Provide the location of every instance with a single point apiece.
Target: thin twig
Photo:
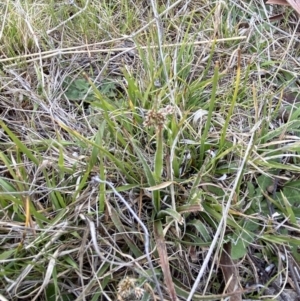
(76, 50)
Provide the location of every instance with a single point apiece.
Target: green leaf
(108, 88)
(6, 187)
(78, 89)
(289, 208)
(288, 198)
(201, 229)
(4, 255)
(242, 238)
(238, 249)
(170, 212)
(264, 182)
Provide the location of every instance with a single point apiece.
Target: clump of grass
(146, 158)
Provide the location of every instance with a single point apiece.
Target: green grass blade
(19, 144)
(210, 111)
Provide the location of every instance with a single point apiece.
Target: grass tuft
(149, 151)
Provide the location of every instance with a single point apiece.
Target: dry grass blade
(30, 266)
(164, 261)
(278, 2)
(295, 4)
(48, 274)
(230, 273)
